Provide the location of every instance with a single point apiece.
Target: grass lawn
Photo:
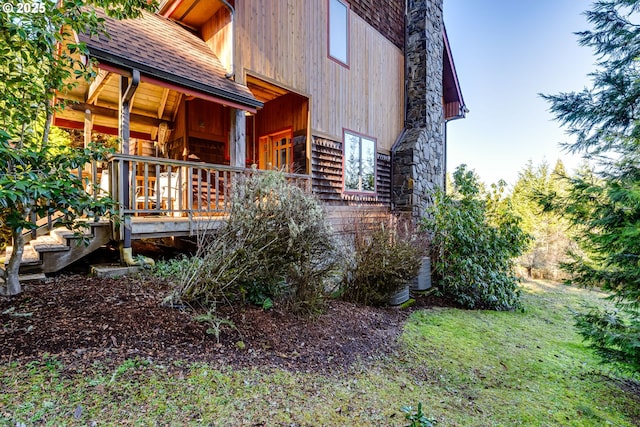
(467, 368)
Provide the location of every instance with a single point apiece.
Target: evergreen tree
(551, 240)
(603, 202)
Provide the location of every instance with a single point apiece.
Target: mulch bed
(81, 320)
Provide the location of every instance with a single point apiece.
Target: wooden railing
(160, 187)
(157, 186)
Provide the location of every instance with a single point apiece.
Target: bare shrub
(275, 247)
(385, 258)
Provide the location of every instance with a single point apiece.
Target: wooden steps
(52, 252)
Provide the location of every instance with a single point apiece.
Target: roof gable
(162, 49)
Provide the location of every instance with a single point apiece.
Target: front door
(276, 151)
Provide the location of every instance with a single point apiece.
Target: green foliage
(550, 232)
(276, 247)
(476, 238)
(171, 268)
(215, 324)
(603, 200)
(39, 57)
(613, 335)
(384, 261)
(42, 178)
(417, 418)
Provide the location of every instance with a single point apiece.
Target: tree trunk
(12, 281)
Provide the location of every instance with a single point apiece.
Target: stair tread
(65, 234)
(29, 255)
(48, 243)
(49, 246)
(58, 244)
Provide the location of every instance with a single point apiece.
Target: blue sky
(506, 52)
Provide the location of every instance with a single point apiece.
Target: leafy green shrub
(173, 267)
(475, 240)
(383, 262)
(275, 247)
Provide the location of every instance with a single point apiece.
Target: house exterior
(351, 97)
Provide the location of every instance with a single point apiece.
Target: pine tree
(603, 201)
(551, 239)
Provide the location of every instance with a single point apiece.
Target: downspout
(126, 95)
(231, 74)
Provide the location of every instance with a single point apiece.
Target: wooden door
(276, 151)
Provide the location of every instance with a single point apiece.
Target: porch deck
(153, 197)
(148, 227)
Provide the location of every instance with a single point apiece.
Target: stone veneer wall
(418, 158)
(386, 16)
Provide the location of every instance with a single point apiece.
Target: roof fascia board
(123, 66)
(453, 67)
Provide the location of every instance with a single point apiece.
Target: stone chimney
(418, 158)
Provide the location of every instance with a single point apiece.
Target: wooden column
(88, 127)
(238, 138)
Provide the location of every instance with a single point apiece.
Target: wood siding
(285, 41)
(326, 173)
(216, 32)
(286, 111)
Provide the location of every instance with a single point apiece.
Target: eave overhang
(454, 105)
(191, 87)
(164, 51)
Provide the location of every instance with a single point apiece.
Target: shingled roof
(162, 49)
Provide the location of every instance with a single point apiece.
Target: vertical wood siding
(283, 112)
(286, 41)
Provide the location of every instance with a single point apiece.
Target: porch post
(88, 127)
(127, 89)
(238, 153)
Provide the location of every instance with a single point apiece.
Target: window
(276, 151)
(339, 31)
(359, 163)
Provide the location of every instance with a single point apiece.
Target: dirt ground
(81, 320)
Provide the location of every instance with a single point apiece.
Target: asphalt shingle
(165, 50)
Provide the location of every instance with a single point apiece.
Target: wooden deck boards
(166, 226)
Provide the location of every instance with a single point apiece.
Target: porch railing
(157, 186)
(160, 187)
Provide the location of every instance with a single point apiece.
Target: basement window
(359, 163)
(339, 31)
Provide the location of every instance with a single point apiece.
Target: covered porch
(186, 129)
